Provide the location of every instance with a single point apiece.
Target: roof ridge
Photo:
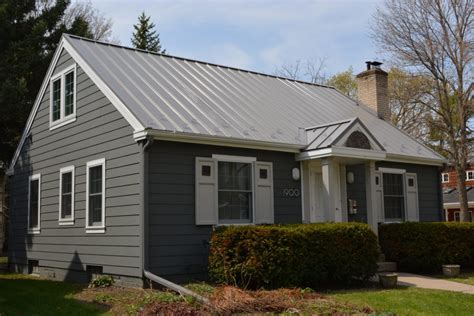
(197, 61)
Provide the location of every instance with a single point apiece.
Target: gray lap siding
(177, 248)
(98, 132)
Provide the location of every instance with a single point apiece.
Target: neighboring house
(130, 158)
(451, 194)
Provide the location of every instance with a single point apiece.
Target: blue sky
(255, 35)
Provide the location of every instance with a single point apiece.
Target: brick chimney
(372, 87)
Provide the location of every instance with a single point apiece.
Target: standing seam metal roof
(173, 94)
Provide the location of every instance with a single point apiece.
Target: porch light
(295, 174)
(350, 177)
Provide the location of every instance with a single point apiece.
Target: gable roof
(184, 97)
(328, 135)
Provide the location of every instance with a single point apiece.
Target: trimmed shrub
(303, 255)
(424, 247)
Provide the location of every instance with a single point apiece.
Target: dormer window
(63, 98)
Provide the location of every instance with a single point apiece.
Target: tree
(145, 37)
(29, 34)
(311, 70)
(99, 27)
(344, 82)
(435, 38)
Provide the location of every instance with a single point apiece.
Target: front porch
(345, 178)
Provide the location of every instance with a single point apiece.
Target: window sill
(62, 122)
(34, 231)
(95, 230)
(66, 222)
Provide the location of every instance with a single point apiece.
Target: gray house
(130, 158)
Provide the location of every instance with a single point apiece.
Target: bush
(424, 247)
(304, 255)
(102, 281)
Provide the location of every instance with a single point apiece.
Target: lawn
(409, 301)
(3, 260)
(25, 295)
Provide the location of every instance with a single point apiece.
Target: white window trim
(63, 120)
(35, 230)
(405, 211)
(66, 221)
(95, 229)
(467, 175)
(241, 159)
(442, 177)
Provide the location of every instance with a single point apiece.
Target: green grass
(3, 260)
(409, 301)
(25, 295)
(466, 277)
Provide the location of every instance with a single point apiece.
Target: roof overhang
(216, 140)
(345, 152)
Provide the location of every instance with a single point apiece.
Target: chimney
(372, 87)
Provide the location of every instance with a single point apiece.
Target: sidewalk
(421, 281)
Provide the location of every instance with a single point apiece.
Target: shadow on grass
(25, 295)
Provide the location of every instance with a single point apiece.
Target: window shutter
(379, 196)
(411, 186)
(263, 193)
(206, 191)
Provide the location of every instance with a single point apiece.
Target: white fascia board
(416, 160)
(342, 152)
(216, 141)
(119, 105)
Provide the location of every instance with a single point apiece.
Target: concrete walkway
(425, 282)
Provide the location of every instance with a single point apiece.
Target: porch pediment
(350, 133)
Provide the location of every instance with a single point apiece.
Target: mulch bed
(230, 300)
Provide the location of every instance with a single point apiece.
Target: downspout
(144, 189)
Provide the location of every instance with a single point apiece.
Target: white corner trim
(392, 170)
(127, 114)
(67, 221)
(234, 158)
(34, 230)
(101, 228)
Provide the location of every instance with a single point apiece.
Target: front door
(316, 197)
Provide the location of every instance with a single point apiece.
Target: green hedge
(304, 255)
(424, 247)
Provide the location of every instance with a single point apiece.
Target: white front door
(316, 197)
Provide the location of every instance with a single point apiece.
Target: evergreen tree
(29, 33)
(145, 37)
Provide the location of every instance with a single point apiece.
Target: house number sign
(291, 192)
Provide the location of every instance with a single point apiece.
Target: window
(66, 196)
(470, 175)
(63, 98)
(457, 216)
(393, 196)
(34, 204)
(445, 177)
(235, 193)
(95, 205)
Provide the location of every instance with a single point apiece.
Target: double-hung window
(95, 204)
(235, 192)
(445, 177)
(469, 175)
(66, 196)
(34, 204)
(63, 98)
(393, 196)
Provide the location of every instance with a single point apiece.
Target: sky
(257, 35)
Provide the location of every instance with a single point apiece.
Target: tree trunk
(461, 184)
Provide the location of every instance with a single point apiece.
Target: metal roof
(179, 95)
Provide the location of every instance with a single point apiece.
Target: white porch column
(371, 199)
(331, 190)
